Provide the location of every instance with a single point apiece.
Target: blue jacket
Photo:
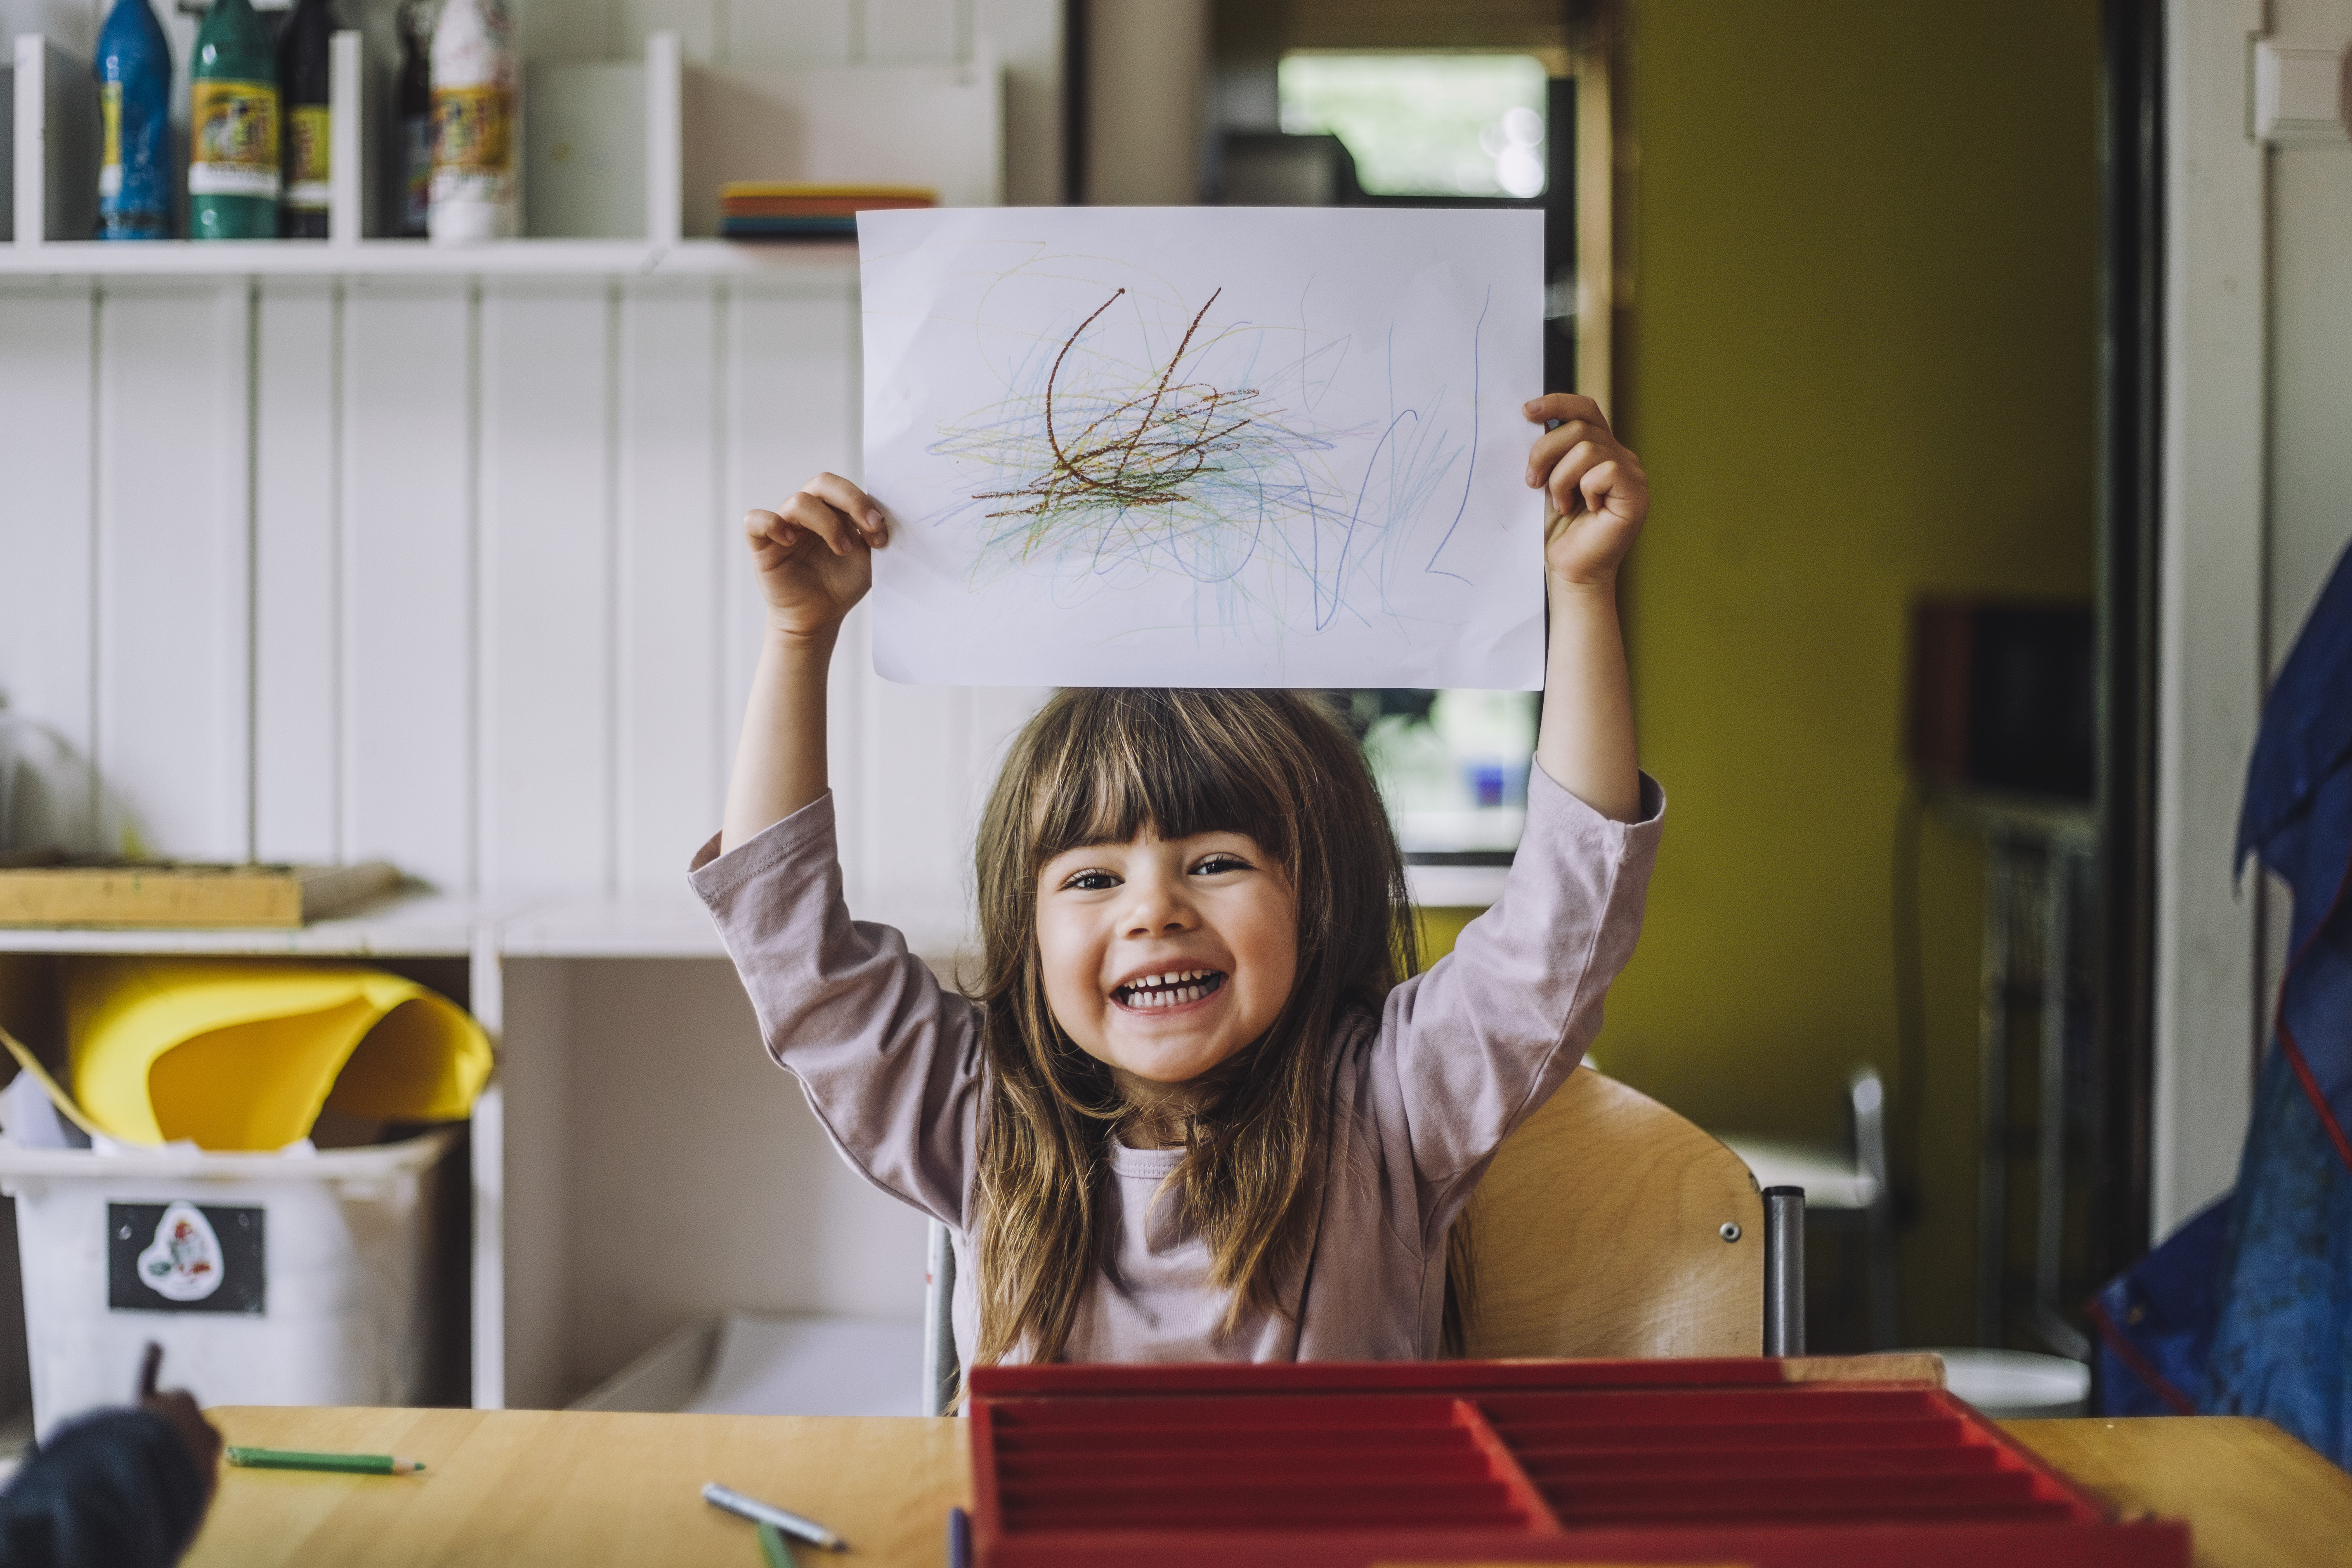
(2282, 1345)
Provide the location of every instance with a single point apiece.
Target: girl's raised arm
(1476, 1042)
(814, 562)
(1595, 497)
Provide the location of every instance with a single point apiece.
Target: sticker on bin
(184, 1258)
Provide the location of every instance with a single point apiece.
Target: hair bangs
(1125, 762)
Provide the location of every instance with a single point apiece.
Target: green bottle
(233, 127)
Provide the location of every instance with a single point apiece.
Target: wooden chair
(1607, 1225)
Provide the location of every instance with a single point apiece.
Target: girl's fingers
(851, 503)
(1599, 482)
(1564, 406)
(1617, 492)
(775, 531)
(805, 510)
(761, 526)
(1553, 445)
(1565, 485)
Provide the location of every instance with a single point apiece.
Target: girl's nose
(1159, 907)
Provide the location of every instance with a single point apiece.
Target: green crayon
(352, 1464)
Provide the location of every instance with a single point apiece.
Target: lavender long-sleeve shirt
(1460, 1055)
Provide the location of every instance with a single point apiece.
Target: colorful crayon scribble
(1102, 463)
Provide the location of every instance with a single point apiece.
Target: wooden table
(525, 1488)
(2252, 1495)
(541, 1489)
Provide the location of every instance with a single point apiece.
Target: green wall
(1863, 251)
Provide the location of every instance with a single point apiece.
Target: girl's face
(1164, 956)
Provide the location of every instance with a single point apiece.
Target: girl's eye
(1217, 865)
(1090, 882)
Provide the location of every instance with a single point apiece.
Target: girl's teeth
(1172, 990)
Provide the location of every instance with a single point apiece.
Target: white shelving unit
(376, 549)
(519, 956)
(697, 127)
(831, 259)
(411, 924)
(632, 1108)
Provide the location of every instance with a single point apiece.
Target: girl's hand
(1595, 493)
(814, 556)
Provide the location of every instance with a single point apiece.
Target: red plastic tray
(1656, 1461)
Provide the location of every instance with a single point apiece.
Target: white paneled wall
(445, 572)
(670, 708)
(297, 663)
(171, 610)
(47, 594)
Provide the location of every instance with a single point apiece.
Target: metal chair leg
(941, 1370)
(1784, 1272)
(1867, 1102)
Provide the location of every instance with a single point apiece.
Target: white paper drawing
(1204, 446)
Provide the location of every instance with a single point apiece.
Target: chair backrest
(1608, 1226)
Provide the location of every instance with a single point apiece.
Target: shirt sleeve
(1475, 1044)
(117, 1490)
(889, 1059)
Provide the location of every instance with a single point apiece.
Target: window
(1425, 125)
(1453, 767)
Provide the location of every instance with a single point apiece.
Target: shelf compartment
(829, 260)
(623, 161)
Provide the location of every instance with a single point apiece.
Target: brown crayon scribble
(1139, 451)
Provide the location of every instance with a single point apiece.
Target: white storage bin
(268, 1279)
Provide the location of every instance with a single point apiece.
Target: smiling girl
(1197, 1108)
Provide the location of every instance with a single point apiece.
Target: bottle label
(307, 156)
(233, 139)
(473, 133)
(418, 132)
(109, 157)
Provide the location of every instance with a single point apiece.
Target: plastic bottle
(134, 96)
(302, 78)
(477, 124)
(233, 127)
(412, 174)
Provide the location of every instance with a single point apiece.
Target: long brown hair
(1097, 766)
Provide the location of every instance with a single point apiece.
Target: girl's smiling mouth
(1169, 989)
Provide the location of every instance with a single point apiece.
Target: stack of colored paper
(750, 209)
